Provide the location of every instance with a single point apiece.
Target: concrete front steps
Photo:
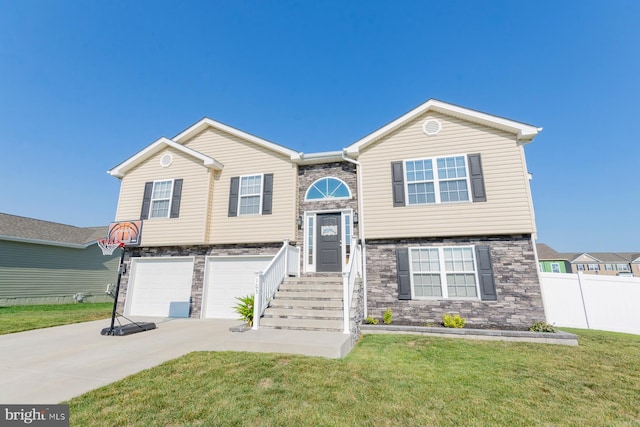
(310, 303)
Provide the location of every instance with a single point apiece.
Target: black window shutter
(485, 274)
(477, 178)
(267, 194)
(234, 193)
(404, 278)
(175, 199)
(397, 178)
(146, 200)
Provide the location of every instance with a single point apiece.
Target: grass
(387, 380)
(26, 317)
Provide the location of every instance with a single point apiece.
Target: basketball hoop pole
(115, 301)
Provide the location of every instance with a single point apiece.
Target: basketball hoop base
(131, 328)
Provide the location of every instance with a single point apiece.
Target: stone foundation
(199, 253)
(519, 300)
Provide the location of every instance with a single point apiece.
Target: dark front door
(329, 240)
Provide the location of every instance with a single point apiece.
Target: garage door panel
(228, 278)
(161, 287)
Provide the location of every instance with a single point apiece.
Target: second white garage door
(160, 287)
(228, 278)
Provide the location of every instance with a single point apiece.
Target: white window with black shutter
(251, 195)
(448, 179)
(161, 199)
(449, 272)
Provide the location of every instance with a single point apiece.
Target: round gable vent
(431, 127)
(166, 160)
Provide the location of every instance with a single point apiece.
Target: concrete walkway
(47, 366)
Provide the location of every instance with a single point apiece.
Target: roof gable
(585, 257)
(524, 132)
(206, 122)
(22, 229)
(120, 170)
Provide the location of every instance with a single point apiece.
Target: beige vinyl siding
(29, 270)
(239, 158)
(508, 208)
(190, 226)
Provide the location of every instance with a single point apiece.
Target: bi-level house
(430, 214)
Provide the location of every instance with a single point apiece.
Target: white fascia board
(47, 242)
(523, 132)
(315, 158)
(577, 261)
(120, 170)
(207, 122)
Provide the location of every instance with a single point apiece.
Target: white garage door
(160, 287)
(228, 278)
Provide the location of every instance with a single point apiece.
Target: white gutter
(48, 242)
(360, 225)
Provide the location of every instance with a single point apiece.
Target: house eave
(206, 122)
(317, 158)
(121, 170)
(47, 242)
(523, 132)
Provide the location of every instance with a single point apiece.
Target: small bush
(245, 308)
(387, 318)
(450, 321)
(542, 327)
(371, 321)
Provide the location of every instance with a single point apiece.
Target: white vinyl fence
(588, 301)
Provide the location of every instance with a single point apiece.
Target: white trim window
(622, 267)
(161, 199)
(250, 196)
(328, 188)
(448, 183)
(444, 272)
(555, 267)
(593, 267)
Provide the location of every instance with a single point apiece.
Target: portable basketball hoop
(108, 246)
(122, 234)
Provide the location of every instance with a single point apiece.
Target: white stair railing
(352, 271)
(285, 263)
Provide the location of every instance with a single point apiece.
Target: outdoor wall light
(299, 221)
(355, 217)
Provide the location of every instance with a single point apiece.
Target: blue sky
(86, 84)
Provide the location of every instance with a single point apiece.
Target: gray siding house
(44, 262)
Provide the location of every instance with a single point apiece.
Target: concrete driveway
(47, 366)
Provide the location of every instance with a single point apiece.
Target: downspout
(360, 226)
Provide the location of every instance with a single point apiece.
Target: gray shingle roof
(547, 253)
(16, 227)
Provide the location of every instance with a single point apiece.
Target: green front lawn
(20, 318)
(387, 380)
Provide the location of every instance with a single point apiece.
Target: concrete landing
(334, 345)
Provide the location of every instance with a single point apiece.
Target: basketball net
(108, 246)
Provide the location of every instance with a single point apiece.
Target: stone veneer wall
(519, 299)
(307, 175)
(199, 253)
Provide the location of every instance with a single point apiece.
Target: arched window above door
(328, 188)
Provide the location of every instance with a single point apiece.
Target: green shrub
(542, 327)
(371, 321)
(245, 308)
(450, 321)
(387, 318)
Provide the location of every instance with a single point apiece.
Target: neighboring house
(604, 263)
(438, 200)
(47, 262)
(550, 261)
